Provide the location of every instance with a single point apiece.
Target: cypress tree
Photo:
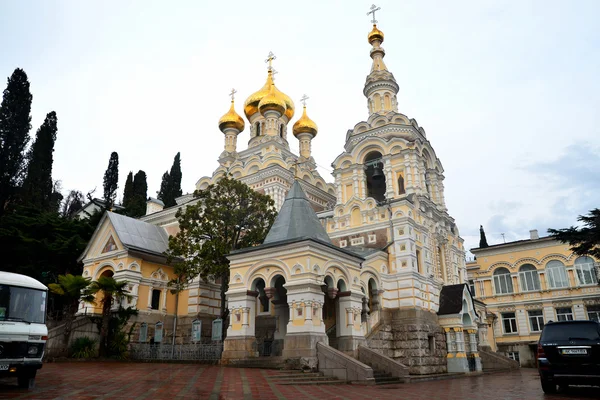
(128, 192)
(111, 181)
(140, 191)
(38, 188)
(165, 188)
(175, 176)
(482, 239)
(15, 123)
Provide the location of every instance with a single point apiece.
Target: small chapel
(371, 262)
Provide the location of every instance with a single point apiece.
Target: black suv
(569, 353)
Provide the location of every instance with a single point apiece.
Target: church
(371, 261)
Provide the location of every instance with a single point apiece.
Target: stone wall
(412, 337)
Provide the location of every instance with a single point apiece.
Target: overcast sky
(507, 91)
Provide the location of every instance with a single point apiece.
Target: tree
(72, 288)
(128, 191)
(15, 123)
(108, 288)
(584, 241)
(170, 187)
(72, 204)
(137, 207)
(38, 188)
(482, 239)
(228, 216)
(111, 181)
(165, 188)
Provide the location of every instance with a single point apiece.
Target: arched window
(155, 304)
(503, 281)
(143, 332)
(586, 273)
(375, 177)
(530, 280)
(401, 189)
(388, 102)
(557, 274)
(258, 129)
(281, 131)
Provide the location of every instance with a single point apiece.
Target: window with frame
(155, 304)
(513, 355)
(343, 243)
(586, 272)
(503, 281)
(593, 313)
(529, 278)
(557, 274)
(472, 287)
(536, 320)
(509, 322)
(564, 314)
(372, 238)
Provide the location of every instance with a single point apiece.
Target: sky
(507, 91)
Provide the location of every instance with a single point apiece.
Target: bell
(377, 173)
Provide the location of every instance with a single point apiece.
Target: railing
(182, 352)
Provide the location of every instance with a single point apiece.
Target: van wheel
(548, 387)
(26, 380)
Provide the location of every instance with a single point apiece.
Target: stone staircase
(296, 377)
(272, 362)
(385, 378)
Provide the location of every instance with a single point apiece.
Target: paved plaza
(86, 380)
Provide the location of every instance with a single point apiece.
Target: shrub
(83, 347)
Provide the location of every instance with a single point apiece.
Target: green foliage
(128, 191)
(42, 242)
(72, 204)
(15, 123)
(584, 241)
(137, 206)
(170, 186)
(83, 347)
(111, 180)
(118, 339)
(73, 287)
(37, 190)
(108, 288)
(228, 216)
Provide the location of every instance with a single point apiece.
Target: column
(355, 186)
(363, 183)
(389, 185)
(338, 186)
(164, 300)
(349, 327)
(241, 341)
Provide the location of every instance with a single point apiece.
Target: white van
(23, 331)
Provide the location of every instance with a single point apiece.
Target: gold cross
(270, 59)
(373, 9)
(232, 94)
(303, 99)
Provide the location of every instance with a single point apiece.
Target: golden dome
(272, 101)
(251, 103)
(231, 120)
(305, 125)
(375, 34)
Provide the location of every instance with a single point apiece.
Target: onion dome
(375, 34)
(251, 103)
(231, 120)
(305, 125)
(272, 102)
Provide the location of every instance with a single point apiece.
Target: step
(296, 375)
(388, 381)
(434, 377)
(333, 381)
(305, 379)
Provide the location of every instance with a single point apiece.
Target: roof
(513, 243)
(363, 251)
(451, 298)
(139, 235)
(9, 278)
(296, 220)
(134, 234)
(155, 200)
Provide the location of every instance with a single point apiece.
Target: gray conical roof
(296, 219)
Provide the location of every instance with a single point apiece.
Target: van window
(579, 331)
(22, 304)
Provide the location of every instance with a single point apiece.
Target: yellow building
(527, 283)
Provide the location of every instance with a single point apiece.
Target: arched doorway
(281, 313)
(331, 308)
(264, 322)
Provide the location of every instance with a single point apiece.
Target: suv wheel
(548, 387)
(26, 379)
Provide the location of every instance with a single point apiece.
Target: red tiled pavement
(87, 380)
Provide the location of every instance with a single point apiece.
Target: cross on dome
(273, 73)
(303, 99)
(373, 9)
(270, 59)
(232, 94)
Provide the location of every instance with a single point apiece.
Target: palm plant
(73, 288)
(110, 289)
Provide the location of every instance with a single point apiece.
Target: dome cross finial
(232, 94)
(270, 59)
(303, 100)
(373, 9)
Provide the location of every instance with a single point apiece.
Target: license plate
(3, 367)
(574, 351)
